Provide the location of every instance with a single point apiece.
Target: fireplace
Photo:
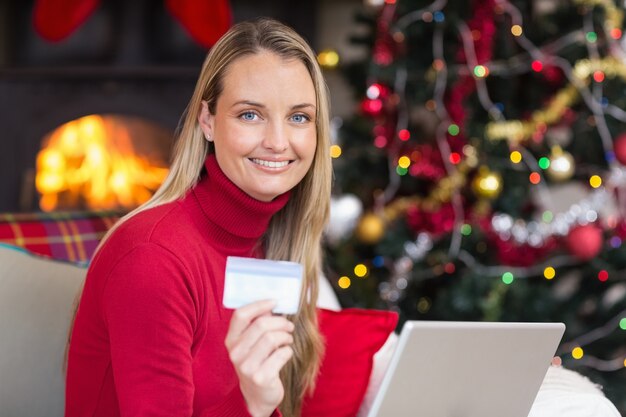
(102, 162)
(36, 102)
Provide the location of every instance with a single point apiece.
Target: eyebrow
(255, 104)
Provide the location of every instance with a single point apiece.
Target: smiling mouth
(270, 164)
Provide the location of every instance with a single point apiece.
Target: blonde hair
(295, 231)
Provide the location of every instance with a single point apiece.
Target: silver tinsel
(535, 233)
(414, 251)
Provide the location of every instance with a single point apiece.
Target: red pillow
(352, 337)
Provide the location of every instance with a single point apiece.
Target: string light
(595, 181)
(328, 59)
(454, 129)
(536, 66)
(603, 275)
(616, 33)
(598, 76)
(372, 106)
(404, 162)
(404, 135)
(534, 178)
(373, 91)
(423, 305)
(466, 229)
(344, 283)
(516, 157)
(547, 216)
(360, 270)
(335, 151)
(549, 273)
(508, 278)
(380, 141)
(591, 37)
(516, 30)
(439, 64)
(455, 158)
(577, 353)
(481, 71)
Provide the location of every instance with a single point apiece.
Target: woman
(250, 176)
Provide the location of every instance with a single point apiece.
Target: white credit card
(248, 280)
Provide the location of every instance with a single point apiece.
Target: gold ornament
(487, 183)
(561, 165)
(370, 229)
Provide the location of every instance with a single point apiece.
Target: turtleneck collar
(233, 220)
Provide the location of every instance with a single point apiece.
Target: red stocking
(57, 19)
(205, 20)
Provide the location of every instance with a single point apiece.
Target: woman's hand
(259, 345)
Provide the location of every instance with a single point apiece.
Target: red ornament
(584, 242)
(620, 148)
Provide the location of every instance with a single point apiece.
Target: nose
(276, 137)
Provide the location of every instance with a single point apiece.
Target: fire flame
(90, 162)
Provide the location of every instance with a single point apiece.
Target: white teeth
(270, 164)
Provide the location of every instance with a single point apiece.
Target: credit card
(248, 280)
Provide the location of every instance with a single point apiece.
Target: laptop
(466, 369)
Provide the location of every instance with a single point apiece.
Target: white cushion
(566, 393)
(36, 301)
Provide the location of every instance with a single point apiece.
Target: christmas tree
(483, 176)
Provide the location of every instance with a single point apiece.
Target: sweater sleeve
(150, 307)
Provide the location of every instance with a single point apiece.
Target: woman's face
(264, 124)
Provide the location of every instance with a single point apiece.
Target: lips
(270, 164)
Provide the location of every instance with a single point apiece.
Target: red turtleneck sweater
(149, 334)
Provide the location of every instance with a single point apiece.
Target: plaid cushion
(66, 236)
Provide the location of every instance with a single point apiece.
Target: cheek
(306, 145)
(235, 140)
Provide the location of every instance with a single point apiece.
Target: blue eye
(248, 116)
(300, 118)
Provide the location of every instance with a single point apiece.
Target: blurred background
(479, 146)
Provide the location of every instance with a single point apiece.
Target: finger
(270, 368)
(261, 326)
(262, 350)
(243, 316)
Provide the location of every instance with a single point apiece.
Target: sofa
(43, 261)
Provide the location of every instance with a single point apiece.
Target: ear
(206, 121)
